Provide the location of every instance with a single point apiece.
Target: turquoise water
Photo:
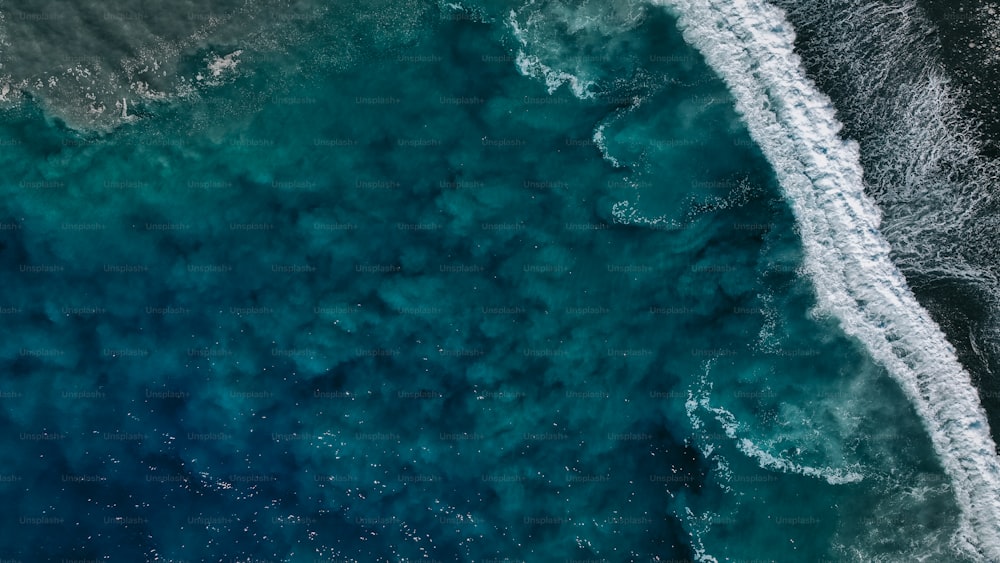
(920, 98)
(480, 283)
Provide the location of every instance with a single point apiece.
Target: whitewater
(750, 44)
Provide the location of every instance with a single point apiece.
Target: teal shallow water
(394, 306)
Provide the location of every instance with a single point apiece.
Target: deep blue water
(425, 282)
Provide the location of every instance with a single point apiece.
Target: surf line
(750, 44)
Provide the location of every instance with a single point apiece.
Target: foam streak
(751, 46)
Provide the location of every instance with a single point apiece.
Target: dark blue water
(425, 282)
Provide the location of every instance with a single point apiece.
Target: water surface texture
(490, 281)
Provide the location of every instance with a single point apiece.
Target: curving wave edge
(750, 44)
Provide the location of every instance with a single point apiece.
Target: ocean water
(925, 116)
(481, 281)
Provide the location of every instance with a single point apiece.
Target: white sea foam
(219, 65)
(698, 526)
(544, 54)
(532, 67)
(751, 45)
(601, 143)
(923, 155)
(599, 138)
(765, 459)
(627, 213)
(703, 441)
(457, 10)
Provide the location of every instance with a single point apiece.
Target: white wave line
(765, 459)
(751, 46)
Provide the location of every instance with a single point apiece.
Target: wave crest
(751, 45)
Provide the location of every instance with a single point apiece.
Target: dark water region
(915, 85)
(383, 293)
(970, 48)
